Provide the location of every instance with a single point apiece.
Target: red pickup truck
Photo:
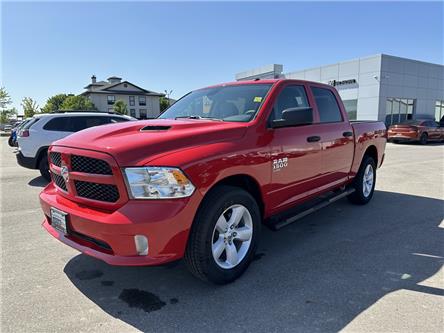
(198, 182)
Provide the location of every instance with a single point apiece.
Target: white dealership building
(378, 87)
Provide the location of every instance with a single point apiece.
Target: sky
(49, 47)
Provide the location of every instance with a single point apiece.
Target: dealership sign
(336, 83)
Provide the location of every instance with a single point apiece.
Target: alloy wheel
(232, 236)
(367, 181)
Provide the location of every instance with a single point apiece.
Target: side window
(30, 123)
(78, 123)
(289, 97)
(432, 124)
(59, 124)
(327, 104)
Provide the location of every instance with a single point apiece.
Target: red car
(198, 182)
(421, 131)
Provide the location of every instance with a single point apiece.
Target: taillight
(25, 133)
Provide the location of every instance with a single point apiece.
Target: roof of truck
(264, 81)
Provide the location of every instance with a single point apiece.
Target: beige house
(141, 103)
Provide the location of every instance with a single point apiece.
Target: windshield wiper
(197, 117)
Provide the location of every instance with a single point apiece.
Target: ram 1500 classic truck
(197, 182)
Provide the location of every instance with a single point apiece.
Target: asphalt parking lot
(375, 268)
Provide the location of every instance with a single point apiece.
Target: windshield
(228, 103)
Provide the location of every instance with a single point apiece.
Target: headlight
(157, 183)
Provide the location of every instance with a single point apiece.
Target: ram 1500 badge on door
(198, 182)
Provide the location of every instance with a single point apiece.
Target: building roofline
(121, 92)
(361, 58)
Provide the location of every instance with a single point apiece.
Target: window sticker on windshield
(257, 99)
(206, 105)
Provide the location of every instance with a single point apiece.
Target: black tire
(44, 167)
(359, 197)
(10, 142)
(423, 139)
(198, 255)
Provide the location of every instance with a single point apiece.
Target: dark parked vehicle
(12, 141)
(418, 130)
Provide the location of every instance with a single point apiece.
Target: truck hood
(136, 143)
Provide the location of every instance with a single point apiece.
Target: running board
(327, 201)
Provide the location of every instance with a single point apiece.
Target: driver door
(295, 153)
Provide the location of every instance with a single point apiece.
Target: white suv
(36, 136)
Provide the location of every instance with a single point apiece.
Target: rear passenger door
(336, 132)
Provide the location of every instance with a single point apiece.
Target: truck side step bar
(322, 202)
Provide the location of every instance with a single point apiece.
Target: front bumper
(109, 236)
(26, 162)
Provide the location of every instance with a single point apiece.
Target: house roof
(103, 87)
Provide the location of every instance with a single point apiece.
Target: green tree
(30, 107)
(54, 103)
(80, 103)
(5, 100)
(120, 107)
(6, 115)
(164, 104)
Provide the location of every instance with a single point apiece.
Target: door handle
(313, 138)
(347, 134)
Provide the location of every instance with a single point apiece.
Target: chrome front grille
(90, 165)
(95, 191)
(56, 158)
(59, 181)
(87, 178)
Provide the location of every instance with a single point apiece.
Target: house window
(143, 114)
(111, 99)
(133, 113)
(142, 100)
(439, 110)
(132, 100)
(398, 110)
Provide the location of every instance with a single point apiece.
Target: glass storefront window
(439, 110)
(351, 106)
(398, 110)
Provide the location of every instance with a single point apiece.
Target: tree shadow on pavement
(315, 275)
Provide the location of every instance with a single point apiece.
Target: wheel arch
(371, 151)
(40, 153)
(245, 182)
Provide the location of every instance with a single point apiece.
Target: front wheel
(224, 235)
(423, 139)
(364, 182)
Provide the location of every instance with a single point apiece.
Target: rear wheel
(44, 167)
(423, 139)
(224, 235)
(364, 182)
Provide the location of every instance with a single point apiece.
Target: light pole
(168, 94)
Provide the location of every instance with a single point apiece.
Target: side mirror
(294, 117)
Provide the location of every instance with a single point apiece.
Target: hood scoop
(155, 128)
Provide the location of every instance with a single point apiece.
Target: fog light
(141, 245)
